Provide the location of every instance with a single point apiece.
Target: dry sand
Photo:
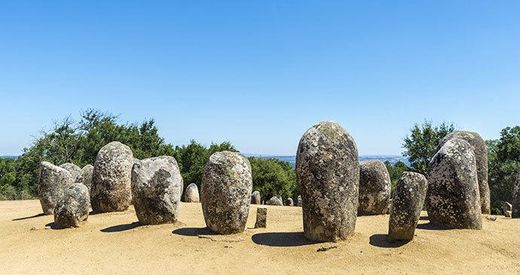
(115, 243)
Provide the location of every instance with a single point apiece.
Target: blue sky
(259, 73)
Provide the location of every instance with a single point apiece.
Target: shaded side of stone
(261, 217)
(374, 188)
(73, 207)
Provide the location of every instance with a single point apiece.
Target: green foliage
(396, 171)
(421, 144)
(504, 162)
(273, 177)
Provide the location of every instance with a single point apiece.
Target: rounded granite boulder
(256, 198)
(192, 193)
(327, 170)
(74, 170)
(156, 190)
(453, 199)
(52, 182)
(275, 201)
(111, 178)
(407, 203)
(73, 207)
(481, 157)
(226, 192)
(86, 175)
(374, 188)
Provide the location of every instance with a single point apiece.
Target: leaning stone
(453, 199)
(289, 202)
(506, 206)
(515, 203)
(73, 206)
(407, 203)
(110, 189)
(192, 193)
(86, 175)
(156, 190)
(226, 192)
(274, 201)
(256, 198)
(74, 170)
(481, 158)
(374, 188)
(299, 201)
(261, 217)
(327, 170)
(52, 182)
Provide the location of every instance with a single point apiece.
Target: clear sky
(259, 73)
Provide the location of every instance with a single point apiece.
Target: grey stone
(515, 203)
(261, 217)
(51, 183)
(299, 201)
(74, 170)
(256, 198)
(407, 203)
(506, 206)
(73, 207)
(111, 178)
(86, 175)
(374, 188)
(156, 190)
(508, 214)
(289, 202)
(327, 170)
(192, 193)
(226, 192)
(276, 201)
(481, 158)
(453, 199)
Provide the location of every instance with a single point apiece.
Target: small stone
(508, 214)
(192, 193)
(74, 170)
(261, 217)
(52, 182)
(299, 201)
(156, 190)
(226, 192)
(256, 198)
(73, 206)
(506, 206)
(289, 202)
(492, 218)
(86, 175)
(274, 201)
(515, 203)
(374, 188)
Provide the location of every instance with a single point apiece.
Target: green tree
(421, 144)
(273, 177)
(396, 170)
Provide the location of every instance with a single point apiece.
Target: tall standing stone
(156, 190)
(374, 188)
(110, 189)
(515, 203)
(481, 157)
(86, 175)
(226, 192)
(327, 170)
(73, 207)
(192, 193)
(453, 198)
(407, 203)
(74, 170)
(256, 198)
(52, 182)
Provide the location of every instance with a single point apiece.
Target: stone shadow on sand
(430, 226)
(121, 227)
(284, 239)
(193, 231)
(30, 217)
(382, 240)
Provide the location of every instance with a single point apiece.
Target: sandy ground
(115, 243)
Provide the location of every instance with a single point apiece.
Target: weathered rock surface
(52, 182)
(274, 201)
(506, 206)
(256, 198)
(86, 175)
(111, 178)
(407, 203)
(289, 202)
(453, 199)
(226, 192)
(156, 190)
(515, 203)
(374, 188)
(481, 157)
(74, 170)
(73, 207)
(299, 201)
(192, 193)
(261, 217)
(327, 171)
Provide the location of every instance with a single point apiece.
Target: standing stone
(261, 217)
(156, 190)
(506, 207)
(453, 199)
(86, 175)
(110, 189)
(407, 203)
(327, 170)
(374, 188)
(52, 182)
(72, 208)
(481, 158)
(289, 202)
(276, 201)
(515, 203)
(256, 198)
(192, 193)
(226, 192)
(74, 170)
(299, 201)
